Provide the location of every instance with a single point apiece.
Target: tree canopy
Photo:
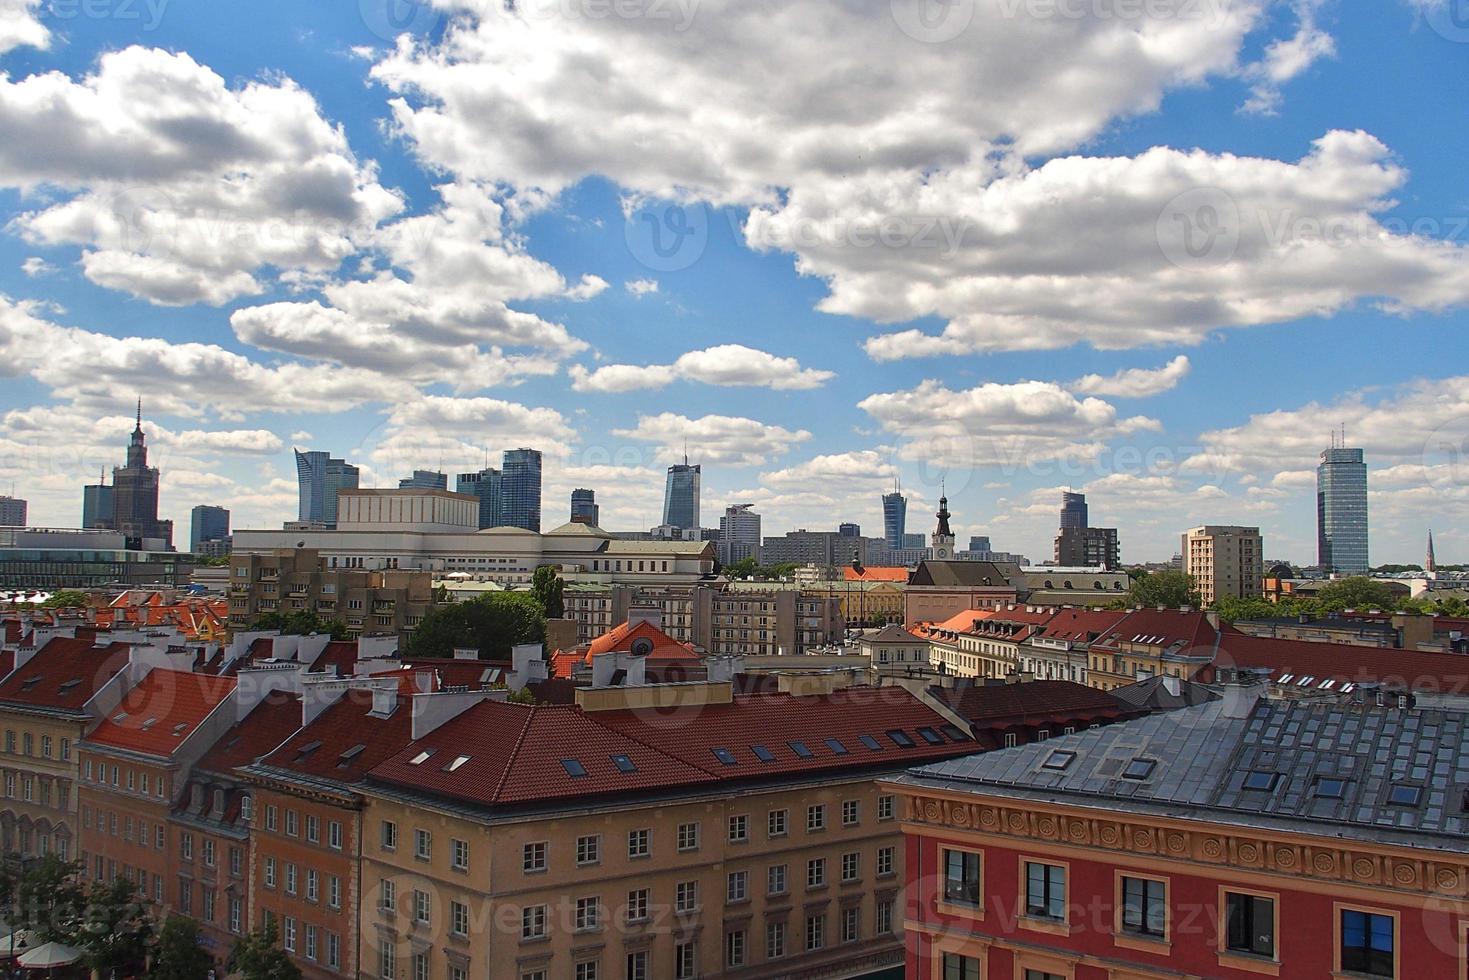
(257, 956)
(65, 599)
(490, 623)
(180, 957)
(302, 623)
(747, 568)
(549, 590)
(1169, 588)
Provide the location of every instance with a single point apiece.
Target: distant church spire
(139, 426)
(1430, 566)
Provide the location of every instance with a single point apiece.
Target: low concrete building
(294, 580)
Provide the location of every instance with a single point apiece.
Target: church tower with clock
(942, 542)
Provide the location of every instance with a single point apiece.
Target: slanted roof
(1340, 663)
(881, 574)
(64, 674)
(983, 703)
(345, 741)
(1202, 757)
(968, 574)
(268, 724)
(624, 639)
(161, 711)
(1164, 693)
(1174, 630)
(1080, 625)
(892, 633)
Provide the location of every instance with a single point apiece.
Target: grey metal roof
(1154, 693)
(1203, 756)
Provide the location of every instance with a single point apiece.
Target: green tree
(1170, 589)
(115, 931)
(550, 591)
(50, 900)
(65, 599)
(744, 568)
(180, 957)
(257, 956)
(301, 623)
(1357, 592)
(491, 623)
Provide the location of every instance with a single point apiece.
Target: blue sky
(998, 246)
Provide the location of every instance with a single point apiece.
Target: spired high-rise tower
(681, 495)
(895, 518)
(135, 494)
(1341, 511)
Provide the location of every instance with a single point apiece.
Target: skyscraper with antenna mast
(681, 494)
(895, 516)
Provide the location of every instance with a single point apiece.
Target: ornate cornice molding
(1258, 850)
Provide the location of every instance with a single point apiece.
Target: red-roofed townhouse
(213, 811)
(658, 831)
(985, 642)
(665, 659)
(1152, 643)
(47, 704)
(1003, 715)
(308, 830)
(1057, 650)
(134, 767)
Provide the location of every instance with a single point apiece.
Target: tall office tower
(979, 542)
(1073, 509)
(681, 496)
(97, 503)
(209, 523)
(1088, 547)
(520, 489)
(12, 512)
(425, 480)
(895, 519)
(584, 509)
(848, 530)
(1341, 511)
(486, 485)
(135, 493)
(319, 477)
(1224, 560)
(739, 534)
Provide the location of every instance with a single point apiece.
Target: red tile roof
(339, 654)
(1342, 662)
(1170, 629)
(473, 674)
(642, 637)
(318, 749)
(1080, 625)
(161, 711)
(851, 574)
(268, 724)
(64, 674)
(514, 753)
(1031, 700)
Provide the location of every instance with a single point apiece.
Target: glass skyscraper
(486, 486)
(895, 519)
(584, 509)
(1341, 512)
(318, 478)
(209, 523)
(681, 496)
(1073, 510)
(520, 489)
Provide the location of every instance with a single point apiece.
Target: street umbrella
(22, 939)
(48, 955)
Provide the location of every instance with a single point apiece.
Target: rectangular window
(334, 835)
(777, 822)
(388, 894)
(851, 924)
(1249, 924)
(290, 878)
(589, 849)
(270, 872)
(292, 825)
(734, 948)
(739, 829)
(884, 917)
(421, 907)
(587, 914)
(389, 832)
(1144, 907)
(313, 829)
(815, 818)
(688, 837)
(885, 859)
(851, 866)
(311, 942)
(736, 888)
(334, 892)
(1367, 943)
(587, 970)
(775, 879)
(958, 967)
(423, 844)
(961, 877)
(208, 850)
(460, 855)
(637, 905)
(334, 951)
(387, 961)
(533, 922)
(638, 843)
(686, 896)
(851, 813)
(1045, 890)
(815, 931)
(312, 883)
(637, 965)
(775, 940)
(533, 857)
(685, 961)
(816, 872)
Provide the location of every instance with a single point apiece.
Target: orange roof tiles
(161, 711)
(268, 724)
(64, 674)
(851, 574)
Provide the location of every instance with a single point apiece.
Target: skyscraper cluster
(318, 478)
(509, 496)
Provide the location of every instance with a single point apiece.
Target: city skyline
(434, 303)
